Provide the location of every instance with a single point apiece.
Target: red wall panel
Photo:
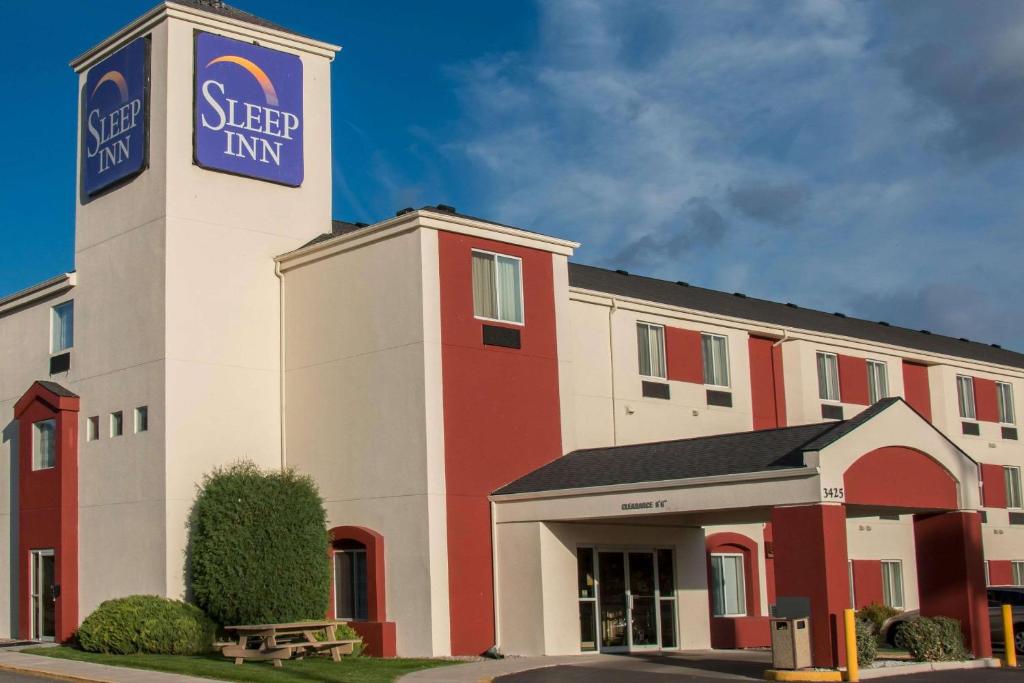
(867, 582)
(896, 476)
(915, 385)
(853, 380)
(993, 488)
(1000, 573)
(684, 355)
(986, 404)
(501, 420)
(762, 383)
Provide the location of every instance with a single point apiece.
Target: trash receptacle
(791, 643)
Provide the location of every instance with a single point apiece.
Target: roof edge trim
(43, 290)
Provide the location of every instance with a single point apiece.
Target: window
(716, 359)
(1004, 392)
(892, 583)
(878, 381)
(650, 340)
(497, 287)
(350, 595)
(828, 376)
(1013, 493)
(44, 445)
(728, 592)
(142, 419)
(1017, 567)
(586, 589)
(62, 327)
(667, 598)
(988, 577)
(965, 396)
(116, 423)
(92, 428)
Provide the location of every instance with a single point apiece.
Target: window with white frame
(92, 428)
(1011, 475)
(116, 423)
(497, 287)
(142, 419)
(1004, 392)
(878, 381)
(62, 327)
(728, 589)
(44, 445)
(892, 583)
(650, 343)
(715, 350)
(965, 396)
(828, 376)
(1017, 567)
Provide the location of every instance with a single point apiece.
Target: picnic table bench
(277, 642)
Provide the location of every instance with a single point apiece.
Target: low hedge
(934, 639)
(867, 645)
(876, 615)
(147, 624)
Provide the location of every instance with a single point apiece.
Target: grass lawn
(348, 670)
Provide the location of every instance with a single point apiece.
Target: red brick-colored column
(810, 561)
(951, 573)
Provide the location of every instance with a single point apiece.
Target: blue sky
(859, 157)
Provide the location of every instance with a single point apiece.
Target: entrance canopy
(887, 457)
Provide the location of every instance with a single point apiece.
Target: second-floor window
(1013, 493)
(62, 327)
(44, 445)
(650, 343)
(716, 359)
(497, 287)
(965, 396)
(828, 376)
(878, 381)
(1004, 392)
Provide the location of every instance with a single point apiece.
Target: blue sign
(114, 113)
(248, 110)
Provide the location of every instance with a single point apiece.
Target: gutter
(690, 482)
(281, 361)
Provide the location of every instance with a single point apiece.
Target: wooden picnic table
(278, 642)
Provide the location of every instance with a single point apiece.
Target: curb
(795, 675)
(51, 675)
(881, 672)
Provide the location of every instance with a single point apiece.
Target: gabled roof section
(621, 283)
(705, 456)
(52, 394)
(225, 10)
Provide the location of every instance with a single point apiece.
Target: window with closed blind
(497, 287)
(650, 341)
(716, 359)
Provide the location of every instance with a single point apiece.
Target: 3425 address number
(833, 493)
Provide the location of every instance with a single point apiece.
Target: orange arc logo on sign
(259, 74)
(117, 79)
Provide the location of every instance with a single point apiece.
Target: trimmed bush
(876, 615)
(258, 547)
(936, 639)
(867, 646)
(146, 624)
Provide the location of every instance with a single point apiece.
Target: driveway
(714, 667)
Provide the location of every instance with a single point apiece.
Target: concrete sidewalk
(69, 670)
(486, 670)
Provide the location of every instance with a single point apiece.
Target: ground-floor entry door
(634, 600)
(43, 605)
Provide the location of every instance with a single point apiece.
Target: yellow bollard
(852, 668)
(1011, 648)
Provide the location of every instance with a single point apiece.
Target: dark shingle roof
(705, 456)
(337, 228)
(216, 7)
(783, 315)
(57, 389)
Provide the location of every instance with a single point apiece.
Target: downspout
(611, 355)
(280, 345)
(775, 400)
(494, 577)
(785, 337)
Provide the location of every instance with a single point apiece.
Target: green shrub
(867, 645)
(258, 547)
(146, 624)
(876, 615)
(934, 639)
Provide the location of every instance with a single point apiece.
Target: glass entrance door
(628, 601)
(43, 606)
